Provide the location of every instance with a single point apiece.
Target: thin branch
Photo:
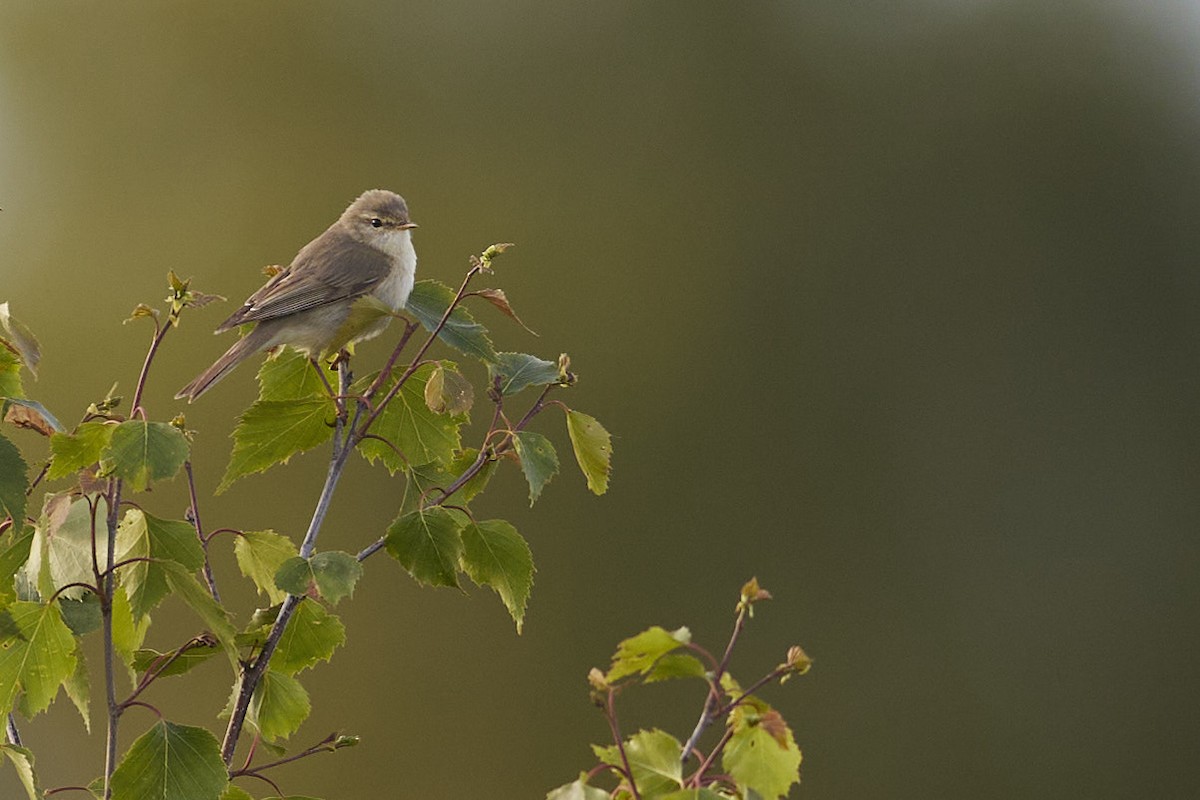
(698, 775)
(76, 585)
(110, 683)
(195, 513)
(133, 703)
(610, 712)
(160, 665)
(61, 789)
(159, 335)
(252, 673)
(770, 677)
(713, 699)
(324, 746)
(265, 780)
(125, 562)
(409, 329)
(41, 474)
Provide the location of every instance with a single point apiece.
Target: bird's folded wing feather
(323, 272)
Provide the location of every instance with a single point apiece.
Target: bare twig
(711, 702)
(194, 510)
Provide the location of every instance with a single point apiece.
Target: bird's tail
(251, 343)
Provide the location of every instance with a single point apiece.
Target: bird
(367, 252)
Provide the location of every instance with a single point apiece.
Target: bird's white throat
(395, 288)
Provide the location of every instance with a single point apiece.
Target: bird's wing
(325, 271)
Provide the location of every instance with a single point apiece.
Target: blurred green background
(893, 305)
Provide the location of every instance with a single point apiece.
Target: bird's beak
(408, 225)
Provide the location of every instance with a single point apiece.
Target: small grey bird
(368, 251)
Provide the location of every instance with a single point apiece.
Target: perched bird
(368, 251)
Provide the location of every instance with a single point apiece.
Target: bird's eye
(376, 222)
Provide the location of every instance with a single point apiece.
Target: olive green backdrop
(891, 304)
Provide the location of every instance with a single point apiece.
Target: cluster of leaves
(757, 751)
(92, 562)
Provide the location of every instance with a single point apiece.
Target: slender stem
(195, 512)
(409, 329)
(266, 780)
(38, 479)
(611, 714)
(252, 673)
(61, 789)
(75, 585)
(712, 756)
(159, 335)
(323, 746)
(106, 598)
(770, 677)
(160, 665)
(708, 714)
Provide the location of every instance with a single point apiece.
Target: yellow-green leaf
(593, 449)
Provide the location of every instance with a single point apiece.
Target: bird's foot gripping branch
(84, 553)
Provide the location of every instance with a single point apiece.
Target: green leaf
(539, 461)
(495, 555)
(289, 376)
(214, 616)
(428, 544)
(79, 689)
(311, 635)
(10, 373)
(13, 555)
(420, 434)
(127, 634)
(13, 482)
(65, 538)
(235, 793)
(22, 760)
(593, 449)
(143, 451)
(330, 575)
(270, 432)
(279, 705)
(192, 657)
(761, 755)
(75, 451)
(38, 656)
(638, 654)
(654, 757)
(22, 339)
(518, 371)
(171, 762)
(577, 790)
(141, 535)
(676, 665)
(82, 616)
(428, 303)
(260, 554)
(423, 480)
(447, 391)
